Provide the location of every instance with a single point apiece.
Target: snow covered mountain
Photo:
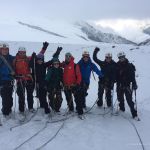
(147, 30)
(96, 35)
(89, 33)
(146, 42)
(56, 31)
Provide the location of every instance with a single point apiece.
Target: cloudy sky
(76, 9)
(119, 15)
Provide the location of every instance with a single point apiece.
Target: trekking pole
(35, 81)
(105, 101)
(23, 90)
(112, 105)
(93, 75)
(135, 100)
(15, 99)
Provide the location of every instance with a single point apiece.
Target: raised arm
(55, 55)
(44, 48)
(99, 62)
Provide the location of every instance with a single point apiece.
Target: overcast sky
(76, 9)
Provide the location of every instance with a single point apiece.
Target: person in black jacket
(108, 68)
(39, 67)
(125, 76)
(54, 78)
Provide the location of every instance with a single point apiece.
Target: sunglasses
(121, 57)
(108, 57)
(55, 64)
(22, 53)
(41, 60)
(85, 56)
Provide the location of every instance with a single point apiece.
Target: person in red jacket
(71, 81)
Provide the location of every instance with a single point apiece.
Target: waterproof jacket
(108, 70)
(54, 78)
(5, 72)
(72, 74)
(22, 70)
(39, 70)
(125, 73)
(86, 68)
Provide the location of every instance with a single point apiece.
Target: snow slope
(96, 132)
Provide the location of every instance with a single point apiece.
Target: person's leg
(58, 101)
(30, 88)
(42, 99)
(7, 100)
(68, 95)
(21, 95)
(78, 101)
(100, 94)
(128, 94)
(108, 97)
(51, 99)
(120, 97)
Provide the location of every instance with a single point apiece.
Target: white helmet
(108, 55)
(22, 49)
(4, 45)
(121, 54)
(85, 53)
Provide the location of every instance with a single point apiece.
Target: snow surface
(96, 132)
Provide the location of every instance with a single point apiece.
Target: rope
(21, 124)
(136, 130)
(19, 146)
(52, 138)
(44, 127)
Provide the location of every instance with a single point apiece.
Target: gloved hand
(61, 85)
(112, 86)
(45, 45)
(33, 55)
(97, 49)
(59, 49)
(134, 86)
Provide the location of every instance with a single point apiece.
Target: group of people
(52, 77)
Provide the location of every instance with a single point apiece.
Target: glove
(134, 86)
(59, 49)
(45, 45)
(61, 85)
(112, 85)
(97, 49)
(33, 55)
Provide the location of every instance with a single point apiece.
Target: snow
(97, 131)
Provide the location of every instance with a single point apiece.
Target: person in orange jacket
(24, 78)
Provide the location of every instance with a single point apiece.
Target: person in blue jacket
(6, 79)
(86, 67)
